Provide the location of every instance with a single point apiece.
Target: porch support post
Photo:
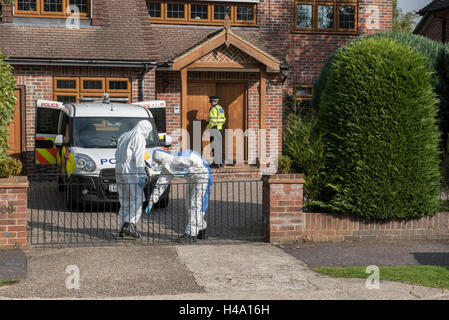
(262, 116)
(185, 137)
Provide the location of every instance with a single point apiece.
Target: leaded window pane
(198, 11)
(305, 16)
(175, 11)
(221, 11)
(26, 5)
(347, 17)
(53, 5)
(245, 13)
(154, 10)
(82, 5)
(325, 17)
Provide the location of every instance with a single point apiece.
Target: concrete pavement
(238, 271)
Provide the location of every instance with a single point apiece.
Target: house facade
(251, 53)
(434, 23)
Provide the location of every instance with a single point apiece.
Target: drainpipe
(142, 82)
(444, 23)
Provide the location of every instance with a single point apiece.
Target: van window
(47, 121)
(104, 132)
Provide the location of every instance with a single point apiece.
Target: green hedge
(377, 115)
(7, 103)
(437, 54)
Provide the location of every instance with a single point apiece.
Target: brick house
(252, 53)
(434, 22)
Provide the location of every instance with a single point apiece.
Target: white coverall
(130, 167)
(199, 184)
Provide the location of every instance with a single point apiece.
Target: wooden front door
(15, 129)
(232, 98)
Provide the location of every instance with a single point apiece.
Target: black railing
(82, 210)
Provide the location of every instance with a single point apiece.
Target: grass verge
(427, 276)
(8, 282)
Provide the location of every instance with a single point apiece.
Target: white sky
(410, 5)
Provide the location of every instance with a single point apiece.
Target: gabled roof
(176, 42)
(125, 36)
(435, 5)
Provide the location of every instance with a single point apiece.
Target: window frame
(89, 93)
(211, 20)
(109, 80)
(336, 4)
(40, 13)
(209, 12)
(166, 19)
(304, 96)
(103, 85)
(246, 22)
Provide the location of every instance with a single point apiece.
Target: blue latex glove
(148, 208)
(142, 182)
(181, 174)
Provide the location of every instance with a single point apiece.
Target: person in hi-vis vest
(217, 119)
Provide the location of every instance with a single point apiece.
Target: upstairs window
(332, 16)
(202, 13)
(50, 8)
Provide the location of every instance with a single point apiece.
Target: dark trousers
(217, 152)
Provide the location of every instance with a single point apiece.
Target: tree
(403, 22)
(377, 118)
(7, 103)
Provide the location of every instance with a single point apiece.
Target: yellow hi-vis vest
(217, 117)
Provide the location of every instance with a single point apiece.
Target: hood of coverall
(165, 158)
(123, 154)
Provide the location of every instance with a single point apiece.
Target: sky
(410, 5)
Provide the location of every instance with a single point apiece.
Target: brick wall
(433, 27)
(38, 82)
(98, 12)
(13, 212)
(283, 210)
(282, 206)
(6, 13)
(325, 227)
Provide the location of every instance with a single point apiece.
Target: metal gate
(234, 214)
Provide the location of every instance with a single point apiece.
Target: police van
(81, 139)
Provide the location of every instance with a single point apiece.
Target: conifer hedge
(377, 115)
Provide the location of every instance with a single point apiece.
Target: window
(70, 89)
(198, 12)
(303, 91)
(326, 16)
(50, 8)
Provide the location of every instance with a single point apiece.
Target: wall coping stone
(14, 182)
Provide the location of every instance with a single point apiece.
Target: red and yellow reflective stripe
(46, 156)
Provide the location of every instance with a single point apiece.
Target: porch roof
(177, 42)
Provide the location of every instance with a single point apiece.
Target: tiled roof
(435, 5)
(126, 36)
(173, 41)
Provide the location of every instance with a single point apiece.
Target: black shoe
(202, 235)
(129, 229)
(186, 238)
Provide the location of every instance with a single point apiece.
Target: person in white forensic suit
(131, 176)
(198, 173)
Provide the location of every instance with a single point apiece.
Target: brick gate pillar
(282, 206)
(13, 212)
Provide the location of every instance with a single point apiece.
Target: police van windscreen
(104, 132)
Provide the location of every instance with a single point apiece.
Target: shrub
(377, 117)
(284, 164)
(437, 55)
(7, 103)
(10, 167)
(306, 150)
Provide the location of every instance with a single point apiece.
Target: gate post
(13, 212)
(283, 207)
